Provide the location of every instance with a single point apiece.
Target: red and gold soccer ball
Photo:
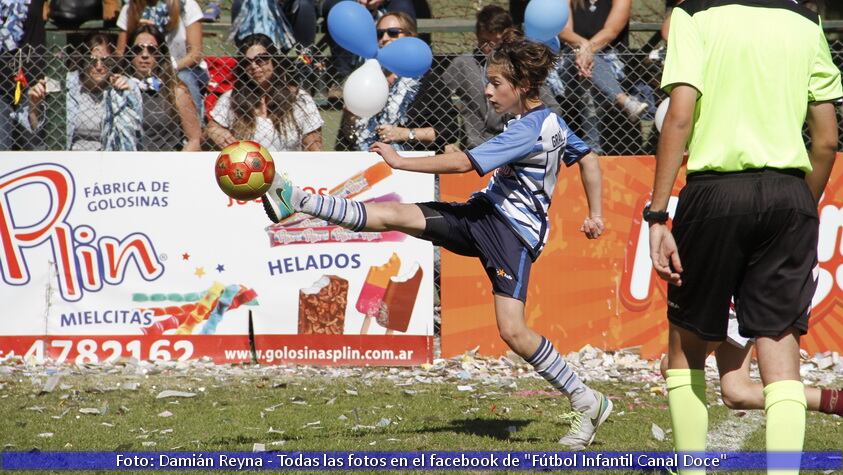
(245, 170)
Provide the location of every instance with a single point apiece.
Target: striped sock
(347, 213)
(552, 367)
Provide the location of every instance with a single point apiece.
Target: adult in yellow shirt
(742, 75)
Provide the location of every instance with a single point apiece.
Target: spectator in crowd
(169, 120)
(21, 26)
(419, 113)
(265, 17)
(288, 22)
(596, 29)
(103, 110)
(265, 106)
(179, 21)
(343, 61)
(466, 77)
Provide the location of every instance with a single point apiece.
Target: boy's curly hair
(524, 63)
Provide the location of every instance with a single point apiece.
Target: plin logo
(639, 281)
(81, 263)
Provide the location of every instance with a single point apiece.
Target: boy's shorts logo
(502, 273)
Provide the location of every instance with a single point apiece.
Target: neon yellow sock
(688, 411)
(784, 402)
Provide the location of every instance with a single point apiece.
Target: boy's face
(486, 41)
(502, 95)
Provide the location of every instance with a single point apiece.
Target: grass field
(293, 409)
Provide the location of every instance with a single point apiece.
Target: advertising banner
(604, 292)
(108, 255)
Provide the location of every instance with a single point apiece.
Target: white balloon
(661, 112)
(366, 90)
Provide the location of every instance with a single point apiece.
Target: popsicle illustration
(399, 300)
(374, 288)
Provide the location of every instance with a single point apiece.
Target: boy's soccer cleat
(277, 202)
(584, 428)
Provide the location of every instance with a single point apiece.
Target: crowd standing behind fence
(452, 104)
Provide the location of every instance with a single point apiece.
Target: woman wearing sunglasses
(418, 115)
(103, 110)
(170, 121)
(179, 22)
(265, 106)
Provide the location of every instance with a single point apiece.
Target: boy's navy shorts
(475, 229)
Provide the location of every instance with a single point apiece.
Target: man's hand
(592, 227)
(389, 155)
(665, 255)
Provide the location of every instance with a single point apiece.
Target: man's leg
(686, 391)
(784, 394)
(774, 300)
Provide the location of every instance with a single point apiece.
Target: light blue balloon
(352, 27)
(553, 43)
(407, 57)
(545, 18)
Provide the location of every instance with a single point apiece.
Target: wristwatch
(655, 217)
(411, 135)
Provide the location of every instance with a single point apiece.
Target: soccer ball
(245, 170)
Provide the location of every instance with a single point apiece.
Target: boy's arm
(822, 126)
(453, 162)
(592, 183)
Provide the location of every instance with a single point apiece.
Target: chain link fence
(75, 100)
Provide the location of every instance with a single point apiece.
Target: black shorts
(750, 234)
(475, 229)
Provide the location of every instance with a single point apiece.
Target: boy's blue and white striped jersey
(527, 156)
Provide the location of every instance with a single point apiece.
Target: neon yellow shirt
(756, 65)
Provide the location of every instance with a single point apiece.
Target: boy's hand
(389, 155)
(592, 227)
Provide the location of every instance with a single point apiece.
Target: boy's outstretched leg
(591, 407)
(283, 199)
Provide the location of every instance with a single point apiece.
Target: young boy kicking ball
(506, 225)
